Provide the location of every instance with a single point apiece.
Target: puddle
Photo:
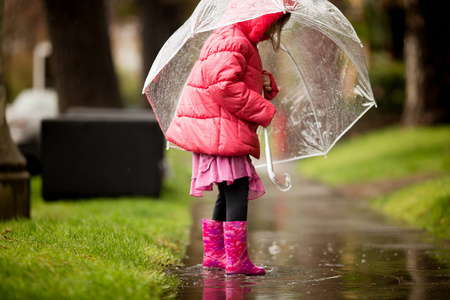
(317, 245)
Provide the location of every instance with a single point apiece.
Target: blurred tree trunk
(159, 19)
(14, 179)
(82, 59)
(427, 57)
(396, 15)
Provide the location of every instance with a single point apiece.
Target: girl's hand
(269, 86)
(266, 83)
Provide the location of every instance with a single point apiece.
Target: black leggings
(232, 204)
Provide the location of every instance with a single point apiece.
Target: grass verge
(99, 248)
(390, 155)
(426, 205)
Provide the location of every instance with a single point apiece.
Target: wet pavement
(316, 244)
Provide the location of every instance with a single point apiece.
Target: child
(217, 118)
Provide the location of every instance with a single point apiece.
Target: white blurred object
(25, 114)
(31, 106)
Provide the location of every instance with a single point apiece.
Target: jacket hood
(255, 29)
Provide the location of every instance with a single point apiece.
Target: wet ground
(315, 244)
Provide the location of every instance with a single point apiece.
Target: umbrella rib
(308, 93)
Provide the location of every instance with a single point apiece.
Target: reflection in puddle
(199, 283)
(384, 274)
(217, 286)
(314, 244)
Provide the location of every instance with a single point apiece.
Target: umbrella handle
(287, 178)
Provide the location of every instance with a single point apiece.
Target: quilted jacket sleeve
(223, 71)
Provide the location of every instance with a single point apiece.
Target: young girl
(217, 118)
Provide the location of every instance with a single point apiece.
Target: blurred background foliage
(25, 26)
(138, 28)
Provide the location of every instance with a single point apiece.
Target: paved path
(319, 245)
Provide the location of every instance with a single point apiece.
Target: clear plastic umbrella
(320, 71)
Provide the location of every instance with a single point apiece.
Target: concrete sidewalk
(316, 244)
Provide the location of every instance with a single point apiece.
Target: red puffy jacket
(221, 106)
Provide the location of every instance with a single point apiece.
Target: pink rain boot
(214, 255)
(236, 248)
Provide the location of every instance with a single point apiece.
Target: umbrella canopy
(320, 70)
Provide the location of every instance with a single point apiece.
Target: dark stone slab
(101, 153)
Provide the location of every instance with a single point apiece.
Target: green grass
(426, 205)
(99, 248)
(393, 153)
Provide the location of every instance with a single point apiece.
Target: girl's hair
(274, 31)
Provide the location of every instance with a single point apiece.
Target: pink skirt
(209, 169)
